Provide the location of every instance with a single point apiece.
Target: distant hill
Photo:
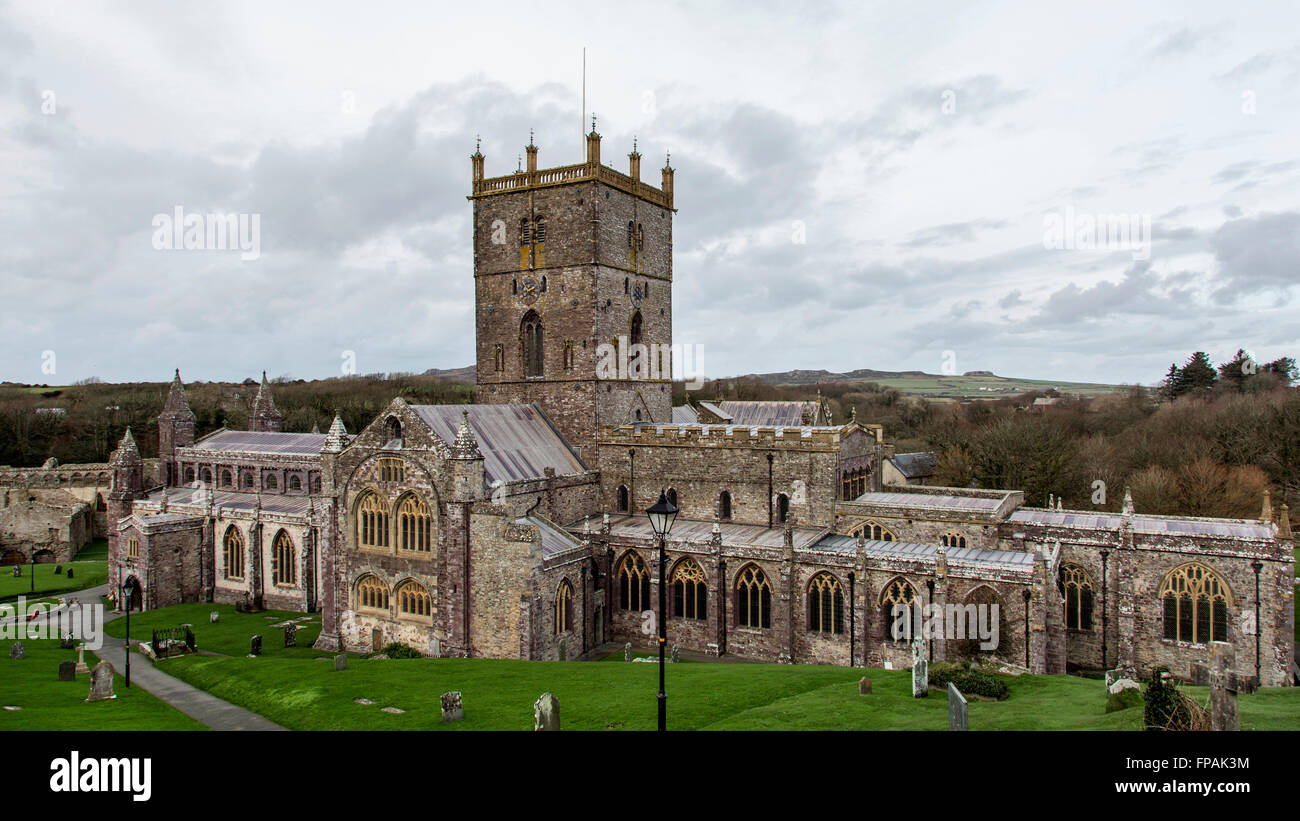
(467, 375)
(970, 385)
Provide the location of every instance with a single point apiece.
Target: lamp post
(662, 514)
(128, 593)
(33, 570)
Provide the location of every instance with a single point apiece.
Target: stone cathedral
(514, 527)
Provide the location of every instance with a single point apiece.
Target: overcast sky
(859, 186)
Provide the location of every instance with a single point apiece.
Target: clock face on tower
(530, 292)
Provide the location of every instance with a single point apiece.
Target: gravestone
(864, 686)
(340, 663)
(677, 654)
(65, 643)
(69, 572)
(290, 635)
(956, 708)
(101, 682)
(214, 617)
(68, 670)
(81, 660)
(451, 707)
(627, 651)
(376, 639)
(1224, 685)
(564, 649)
(18, 571)
(435, 647)
(255, 646)
(920, 668)
(58, 570)
(18, 651)
(546, 713)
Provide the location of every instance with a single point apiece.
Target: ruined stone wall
(53, 526)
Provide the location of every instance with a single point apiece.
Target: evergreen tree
(1198, 375)
(1169, 388)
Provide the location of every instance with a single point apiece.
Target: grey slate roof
(915, 465)
(768, 414)
(685, 414)
(930, 501)
(1147, 524)
(186, 498)
(517, 441)
(913, 550)
(554, 540)
(689, 530)
(248, 441)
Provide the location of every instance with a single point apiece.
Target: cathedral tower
(573, 292)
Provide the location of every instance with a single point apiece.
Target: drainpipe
(770, 458)
(1105, 615)
(929, 643)
(1027, 595)
(722, 607)
(853, 612)
(1257, 565)
(631, 481)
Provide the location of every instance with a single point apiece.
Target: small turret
(531, 150)
(265, 416)
(667, 185)
(175, 430)
(337, 437)
(1127, 509)
(467, 464)
(593, 144)
(476, 160)
(1266, 514)
(466, 445)
(634, 162)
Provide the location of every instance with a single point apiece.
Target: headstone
(81, 660)
(290, 635)
(69, 572)
(393, 710)
(1122, 684)
(101, 682)
(18, 571)
(376, 639)
(1224, 685)
(451, 707)
(677, 654)
(214, 617)
(627, 651)
(864, 686)
(17, 651)
(58, 570)
(956, 708)
(920, 668)
(546, 713)
(340, 663)
(255, 646)
(435, 647)
(68, 670)
(65, 643)
(364, 701)
(564, 649)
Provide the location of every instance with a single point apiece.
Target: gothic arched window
(564, 608)
(372, 522)
(372, 594)
(753, 598)
(690, 591)
(634, 329)
(1077, 591)
(413, 600)
(633, 583)
(285, 569)
(825, 604)
(232, 551)
(952, 539)
(897, 593)
(414, 525)
(872, 530)
(724, 505)
(622, 499)
(530, 337)
(1196, 602)
(539, 234)
(782, 508)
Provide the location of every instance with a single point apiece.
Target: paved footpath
(193, 702)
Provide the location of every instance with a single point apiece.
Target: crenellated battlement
(697, 435)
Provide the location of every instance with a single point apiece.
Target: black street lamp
(128, 593)
(662, 515)
(33, 570)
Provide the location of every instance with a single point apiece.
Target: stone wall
(53, 525)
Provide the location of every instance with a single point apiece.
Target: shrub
(968, 681)
(397, 650)
(1124, 699)
(1168, 708)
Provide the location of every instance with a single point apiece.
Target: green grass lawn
(95, 551)
(50, 704)
(231, 634)
(86, 574)
(498, 695)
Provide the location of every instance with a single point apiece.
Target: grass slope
(50, 704)
(231, 634)
(87, 574)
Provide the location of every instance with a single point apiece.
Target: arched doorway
(137, 589)
(45, 557)
(13, 557)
